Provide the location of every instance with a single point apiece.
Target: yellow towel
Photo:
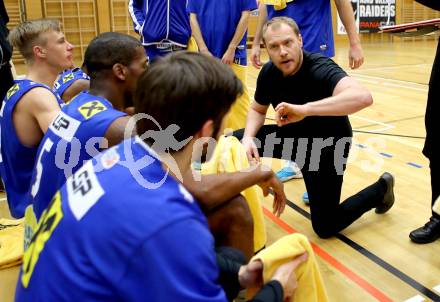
(229, 156)
(192, 45)
(310, 285)
(436, 206)
(11, 242)
(236, 118)
(277, 4)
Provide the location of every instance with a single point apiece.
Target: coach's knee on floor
(323, 230)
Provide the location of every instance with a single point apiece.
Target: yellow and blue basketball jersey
(314, 20)
(75, 136)
(16, 160)
(67, 78)
(121, 229)
(218, 22)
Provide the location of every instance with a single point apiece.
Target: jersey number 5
(36, 186)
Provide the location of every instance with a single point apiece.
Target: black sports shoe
(388, 198)
(427, 233)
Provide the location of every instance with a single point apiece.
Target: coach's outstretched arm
(348, 97)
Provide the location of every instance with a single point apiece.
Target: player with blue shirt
(15, 166)
(123, 228)
(70, 82)
(315, 23)
(162, 24)
(93, 120)
(220, 29)
(30, 105)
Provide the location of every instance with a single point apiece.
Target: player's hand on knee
(272, 182)
(279, 199)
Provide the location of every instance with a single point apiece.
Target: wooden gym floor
(373, 259)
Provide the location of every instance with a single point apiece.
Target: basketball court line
(417, 298)
(385, 126)
(365, 285)
(391, 82)
(400, 140)
(429, 65)
(395, 121)
(382, 82)
(365, 252)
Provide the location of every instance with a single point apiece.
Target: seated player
(71, 82)
(30, 105)
(93, 120)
